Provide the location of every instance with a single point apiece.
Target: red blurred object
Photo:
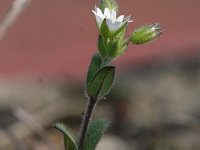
(55, 39)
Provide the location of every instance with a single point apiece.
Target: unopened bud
(146, 33)
(111, 4)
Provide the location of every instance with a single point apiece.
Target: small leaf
(68, 139)
(102, 82)
(94, 67)
(94, 134)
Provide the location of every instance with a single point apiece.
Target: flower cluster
(112, 42)
(101, 73)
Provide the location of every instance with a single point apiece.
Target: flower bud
(111, 4)
(146, 33)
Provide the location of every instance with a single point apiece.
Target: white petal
(109, 22)
(113, 26)
(113, 15)
(107, 13)
(127, 19)
(99, 12)
(130, 21)
(94, 12)
(120, 18)
(99, 21)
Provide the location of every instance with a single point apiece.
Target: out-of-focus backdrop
(44, 56)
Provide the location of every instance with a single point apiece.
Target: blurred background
(44, 57)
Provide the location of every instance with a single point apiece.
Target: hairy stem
(86, 121)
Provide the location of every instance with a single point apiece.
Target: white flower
(112, 21)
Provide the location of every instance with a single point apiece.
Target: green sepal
(68, 139)
(94, 134)
(114, 48)
(95, 65)
(141, 35)
(118, 45)
(102, 47)
(104, 30)
(119, 30)
(102, 82)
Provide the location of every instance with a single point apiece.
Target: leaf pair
(94, 134)
(99, 79)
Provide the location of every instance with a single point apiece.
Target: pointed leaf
(68, 139)
(102, 82)
(94, 134)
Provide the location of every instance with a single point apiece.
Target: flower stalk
(112, 43)
(86, 121)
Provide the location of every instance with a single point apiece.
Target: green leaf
(68, 139)
(95, 65)
(102, 47)
(94, 134)
(102, 82)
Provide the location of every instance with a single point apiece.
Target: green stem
(86, 121)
